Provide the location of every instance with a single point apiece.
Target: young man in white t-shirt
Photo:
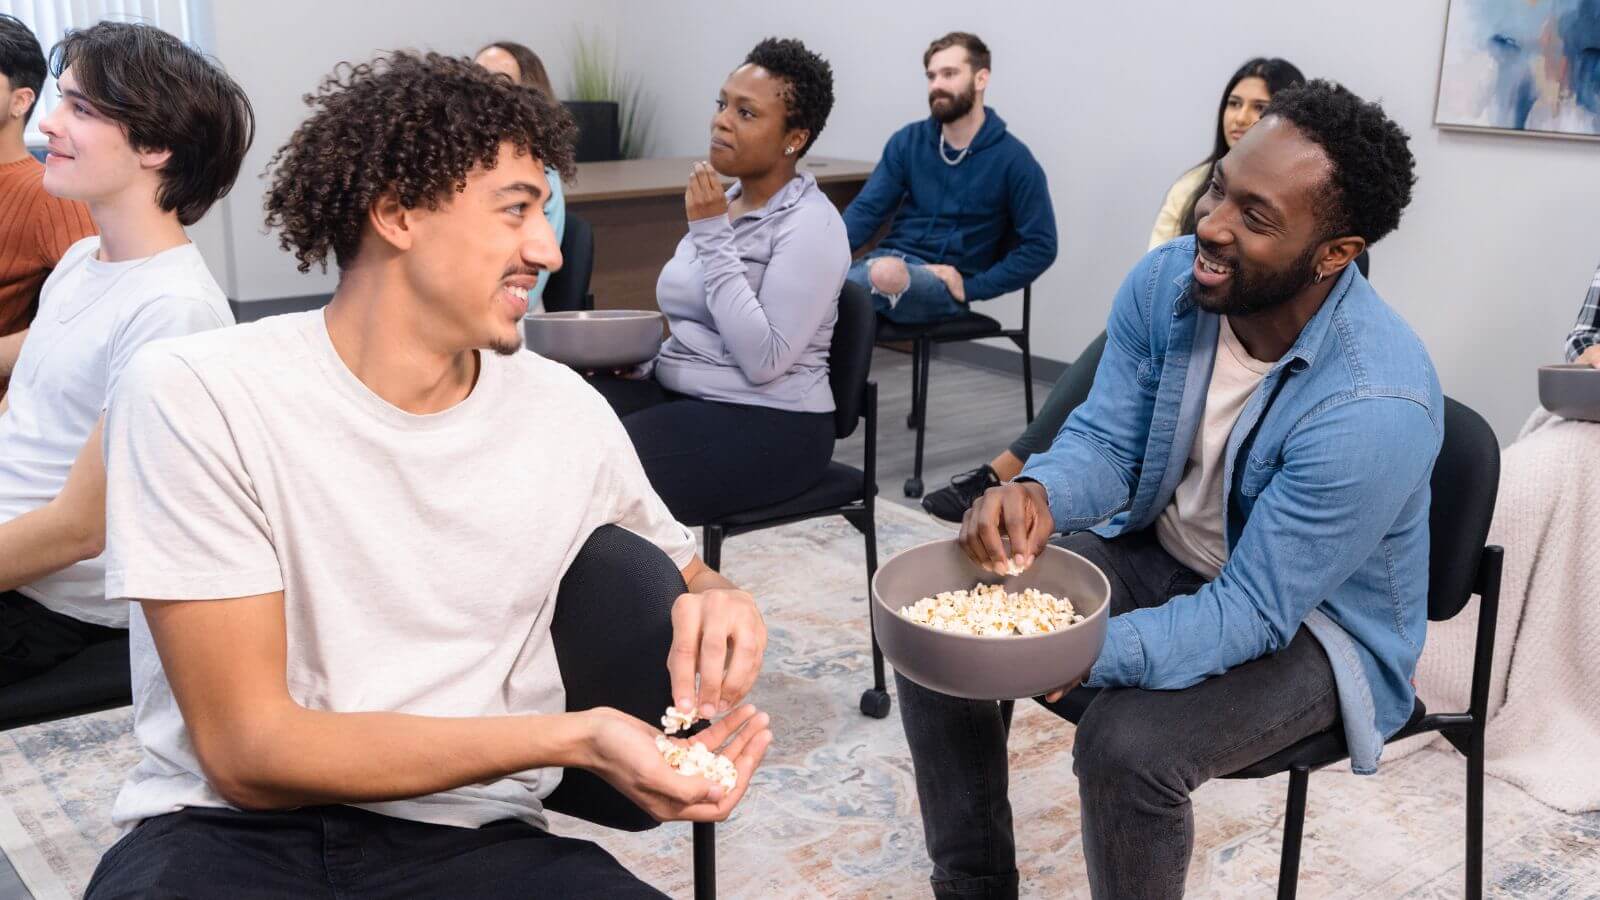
(344, 532)
(148, 135)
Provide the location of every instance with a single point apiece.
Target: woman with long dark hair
(1243, 101)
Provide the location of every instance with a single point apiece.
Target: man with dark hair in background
(971, 210)
(148, 135)
(35, 228)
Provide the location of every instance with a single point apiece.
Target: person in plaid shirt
(1583, 345)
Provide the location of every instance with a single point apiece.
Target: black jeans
(34, 640)
(344, 853)
(1071, 389)
(707, 460)
(1138, 754)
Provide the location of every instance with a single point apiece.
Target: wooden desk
(636, 209)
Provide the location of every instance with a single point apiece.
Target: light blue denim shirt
(1326, 511)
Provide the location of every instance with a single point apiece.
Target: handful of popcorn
(991, 610)
(694, 759)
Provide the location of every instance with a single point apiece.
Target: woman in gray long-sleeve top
(735, 411)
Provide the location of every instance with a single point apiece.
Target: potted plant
(611, 108)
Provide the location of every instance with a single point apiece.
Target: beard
(1255, 292)
(508, 347)
(947, 107)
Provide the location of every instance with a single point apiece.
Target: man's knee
(889, 275)
(1116, 745)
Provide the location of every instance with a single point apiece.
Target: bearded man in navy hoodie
(972, 214)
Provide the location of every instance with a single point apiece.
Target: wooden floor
(973, 414)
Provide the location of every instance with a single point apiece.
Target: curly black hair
(1373, 169)
(414, 125)
(808, 91)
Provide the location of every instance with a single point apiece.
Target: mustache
(940, 95)
(514, 271)
(1211, 250)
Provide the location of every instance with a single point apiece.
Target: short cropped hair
(808, 91)
(977, 50)
(21, 59)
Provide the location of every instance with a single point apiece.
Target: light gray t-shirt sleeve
(182, 518)
(161, 317)
(766, 333)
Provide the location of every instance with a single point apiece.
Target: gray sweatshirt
(752, 303)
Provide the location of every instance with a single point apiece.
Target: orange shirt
(35, 229)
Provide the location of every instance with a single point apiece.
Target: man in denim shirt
(1251, 471)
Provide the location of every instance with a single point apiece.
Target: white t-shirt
(92, 316)
(1190, 528)
(419, 556)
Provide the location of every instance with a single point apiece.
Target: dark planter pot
(599, 132)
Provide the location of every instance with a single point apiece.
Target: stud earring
(788, 151)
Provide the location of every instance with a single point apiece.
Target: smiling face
(90, 159)
(474, 258)
(1257, 234)
(953, 87)
(749, 132)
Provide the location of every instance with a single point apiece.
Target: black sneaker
(951, 503)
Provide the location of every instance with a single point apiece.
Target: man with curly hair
(970, 207)
(1251, 471)
(342, 534)
(148, 135)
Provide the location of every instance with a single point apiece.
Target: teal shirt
(555, 209)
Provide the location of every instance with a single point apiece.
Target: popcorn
(695, 759)
(1014, 568)
(989, 610)
(675, 720)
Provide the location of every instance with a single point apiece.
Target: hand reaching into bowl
(1018, 511)
(1590, 357)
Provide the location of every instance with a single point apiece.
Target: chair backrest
(567, 288)
(1466, 478)
(850, 357)
(1364, 264)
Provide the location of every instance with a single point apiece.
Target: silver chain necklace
(959, 156)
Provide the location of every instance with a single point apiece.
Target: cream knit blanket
(1544, 696)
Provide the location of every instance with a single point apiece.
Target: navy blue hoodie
(988, 216)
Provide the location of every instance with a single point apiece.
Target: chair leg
(1475, 817)
(916, 369)
(713, 546)
(1294, 823)
(913, 486)
(705, 861)
(874, 701)
(1027, 376)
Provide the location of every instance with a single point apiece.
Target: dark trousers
(707, 460)
(1138, 754)
(1071, 389)
(344, 853)
(34, 640)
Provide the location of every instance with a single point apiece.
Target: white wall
(281, 49)
(1116, 100)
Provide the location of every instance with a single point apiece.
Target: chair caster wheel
(913, 487)
(875, 703)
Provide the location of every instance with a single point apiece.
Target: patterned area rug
(834, 812)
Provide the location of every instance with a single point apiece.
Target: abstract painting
(1521, 67)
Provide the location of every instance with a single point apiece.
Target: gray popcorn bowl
(596, 339)
(988, 668)
(1571, 391)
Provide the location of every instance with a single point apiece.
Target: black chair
(619, 577)
(843, 490)
(969, 326)
(96, 679)
(568, 288)
(1465, 480)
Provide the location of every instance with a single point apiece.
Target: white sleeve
(634, 503)
(163, 317)
(182, 518)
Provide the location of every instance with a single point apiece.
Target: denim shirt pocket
(1258, 473)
